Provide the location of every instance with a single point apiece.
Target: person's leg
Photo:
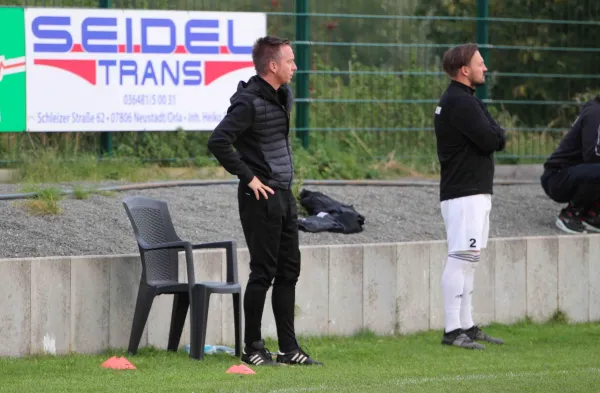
(585, 180)
(262, 230)
(460, 241)
(579, 187)
(555, 185)
(481, 206)
(284, 286)
(286, 277)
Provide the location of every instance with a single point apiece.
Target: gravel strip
(99, 225)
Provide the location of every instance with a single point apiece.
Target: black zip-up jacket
(257, 124)
(581, 144)
(467, 138)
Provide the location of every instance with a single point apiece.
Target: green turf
(535, 358)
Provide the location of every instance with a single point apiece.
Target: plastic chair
(159, 245)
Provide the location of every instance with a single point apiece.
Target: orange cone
(241, 369)
(116, 363)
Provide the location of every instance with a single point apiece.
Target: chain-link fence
(370, 71)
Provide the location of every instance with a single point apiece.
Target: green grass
(52, 167)
(546, 358)
(45, 203)
(330, 155)
(80, 192)
(327, 160)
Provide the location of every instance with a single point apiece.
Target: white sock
(466, 306)
(453, 283)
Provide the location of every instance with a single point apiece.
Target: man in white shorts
(467, 138)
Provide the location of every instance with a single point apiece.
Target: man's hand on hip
(257, 186)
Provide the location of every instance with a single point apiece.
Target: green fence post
(105, 137)
(482, 40)
(303, 64)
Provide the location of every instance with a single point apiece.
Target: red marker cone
(241, 369)
(116, 363)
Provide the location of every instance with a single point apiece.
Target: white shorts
(467, 221)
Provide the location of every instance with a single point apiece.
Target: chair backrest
(152, 224)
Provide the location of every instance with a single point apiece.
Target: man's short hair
(265, 50)
(458, 57)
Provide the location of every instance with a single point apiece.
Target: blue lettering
(37, 30)
(235, 50)
(191, 69)
(149, 48)
(107, 64)
(165, 68)
(176, 73)
(128, 36)
(149, 74)
(191, 37)
(128, 67)
(88, 35)
(201, 36)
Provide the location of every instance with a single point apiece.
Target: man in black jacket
(572, 173)
(257, 125)
(467, 138)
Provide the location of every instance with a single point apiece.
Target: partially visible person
(467, 137)
(257, 125)
(572, 173)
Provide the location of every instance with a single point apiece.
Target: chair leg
(198, 322)
(237, 320)
(143, 304)
(181, 303)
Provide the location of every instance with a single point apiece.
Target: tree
(581, 31)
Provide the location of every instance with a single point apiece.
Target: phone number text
(149, 99)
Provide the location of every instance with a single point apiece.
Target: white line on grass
(458, 378)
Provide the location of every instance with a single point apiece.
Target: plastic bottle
(212, 349)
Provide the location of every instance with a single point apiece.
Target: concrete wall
(85, 304)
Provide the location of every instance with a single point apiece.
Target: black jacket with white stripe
(467, 137)
(581, 144)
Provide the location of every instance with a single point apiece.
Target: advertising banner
(12, 70)
(130, 70)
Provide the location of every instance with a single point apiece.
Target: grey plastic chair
(159, 245)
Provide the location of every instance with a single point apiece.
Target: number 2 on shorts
(472, 243)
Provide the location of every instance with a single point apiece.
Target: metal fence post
(482, 39)
(106, 137)
(303, 64)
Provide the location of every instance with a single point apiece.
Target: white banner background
(89, 96)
